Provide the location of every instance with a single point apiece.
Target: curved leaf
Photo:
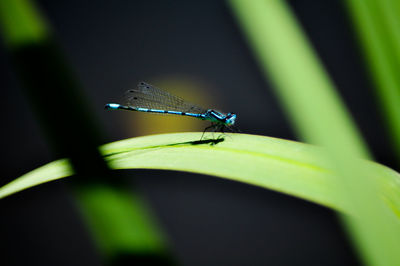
(286, 166)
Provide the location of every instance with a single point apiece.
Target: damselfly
(149, 99)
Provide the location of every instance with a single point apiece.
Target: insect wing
(148, 96)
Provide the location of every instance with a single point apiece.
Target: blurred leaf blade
(123, 225)
(317, 113)
(51, 88)
(286, 57)
(289, 167)
(21, 23)
(377, 25)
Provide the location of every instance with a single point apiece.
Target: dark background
(210, 221)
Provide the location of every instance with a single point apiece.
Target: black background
(209, 221)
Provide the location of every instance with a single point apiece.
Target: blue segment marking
(113, 106)
(147, 110)
(174, 112)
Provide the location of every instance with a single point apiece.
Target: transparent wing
(147, 96)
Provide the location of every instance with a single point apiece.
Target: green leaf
(377, 24)
(286, 166)
(21, 23)
(307, 94)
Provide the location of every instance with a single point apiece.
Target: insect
(149, 99)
